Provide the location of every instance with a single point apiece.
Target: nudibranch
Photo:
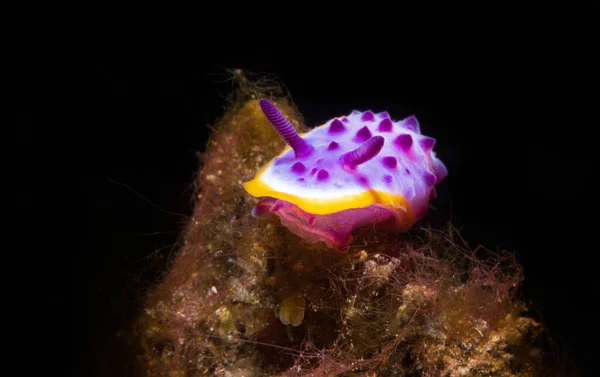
(352, 171)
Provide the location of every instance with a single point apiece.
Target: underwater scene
(294, 216)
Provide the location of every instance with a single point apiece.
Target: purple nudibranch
(354, 170)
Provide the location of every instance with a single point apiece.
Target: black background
(511, 104)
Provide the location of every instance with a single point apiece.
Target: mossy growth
(244, 297)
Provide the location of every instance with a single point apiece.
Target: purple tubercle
(390, 162)
(298, 168)
(368, 116)
(364, 152)
(336, 127)
(322, 175)
(412, 124)
(345, 120)
(404, 142)
(313, 171)
(285, 129)
(333, 146)
(427, 143)
(440, 169)
(388, 178)
(384, 115)
(385, 125)
(429, 179)
(363, 135)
